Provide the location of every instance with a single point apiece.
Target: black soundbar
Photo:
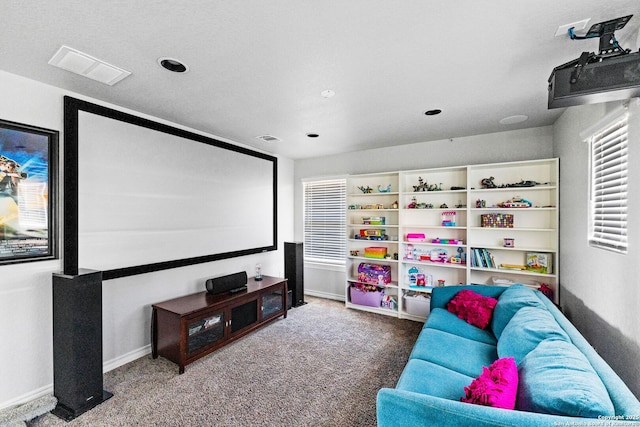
(231, 283)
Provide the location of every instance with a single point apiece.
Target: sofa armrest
(400, 408)
(441, 296)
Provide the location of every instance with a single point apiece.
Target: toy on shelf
(375, 252)
(488, 182)
(516, 202)
(447, 241)
(384, 190)
(438, 255)
(365, 190)
(414, 204)
(418, 278)
(389, 302)
(423, 186)
(372, 273)
(449, 219)
(416, 237)
(496, 220)
(481, 204)
(374, 220)
(371, 234)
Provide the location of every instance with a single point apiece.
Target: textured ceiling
(258, 67)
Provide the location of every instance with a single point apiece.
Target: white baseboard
(326, 295)
(106, 367)
(112, 364)
(27, 397)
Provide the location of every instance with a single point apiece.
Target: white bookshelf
(455, 192)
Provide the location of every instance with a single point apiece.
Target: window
(325, 228)
(608, 188)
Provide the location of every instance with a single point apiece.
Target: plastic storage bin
(375, 252)
(369, 298)
(417, 305)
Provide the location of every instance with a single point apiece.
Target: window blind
(325, 228)
(609, 151)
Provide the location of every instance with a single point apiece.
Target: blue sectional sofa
(561, 379)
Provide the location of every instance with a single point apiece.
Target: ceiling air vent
(269, 138)
(80, 63)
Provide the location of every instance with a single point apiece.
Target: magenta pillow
(472, 307)
(497, 386)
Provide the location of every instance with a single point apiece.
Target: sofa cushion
(425, 377)
(472, 307)
(443, 320)
(453, 352)
(526, 329)
(496, 386)
(509, 302)
(556, 378)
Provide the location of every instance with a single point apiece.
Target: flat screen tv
(143, 196)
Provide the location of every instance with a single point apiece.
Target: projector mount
(609, 46)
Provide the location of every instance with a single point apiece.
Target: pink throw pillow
(497, 386)
(472, 307)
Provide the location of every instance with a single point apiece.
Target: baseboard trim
(106, 367)
(27, 397)
(112, 364)
(326, 295)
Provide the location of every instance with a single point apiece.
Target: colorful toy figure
(365, 190)
(384, 190)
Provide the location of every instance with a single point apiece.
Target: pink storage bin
(415, 237)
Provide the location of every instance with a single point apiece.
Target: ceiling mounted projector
(611, 74)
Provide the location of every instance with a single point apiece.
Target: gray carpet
(321, 366)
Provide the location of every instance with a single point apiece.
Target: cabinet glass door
(203, 332)
(272, 303)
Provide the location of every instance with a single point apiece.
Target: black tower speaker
(77, 343)
(293, 271)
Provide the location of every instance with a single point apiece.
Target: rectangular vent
(85, 65)
(269, 138)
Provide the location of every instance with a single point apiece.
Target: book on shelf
(481, 257)
(540, 262)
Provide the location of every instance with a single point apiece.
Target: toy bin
(368, 298)
(374, 273)
(496, 220)
(417, 305)
(375, 252)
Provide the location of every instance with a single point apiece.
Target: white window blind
(608, 222)
(325, 228)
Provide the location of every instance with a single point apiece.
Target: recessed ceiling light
(313, 135)
(519, 118)
(432, 112)
(173, 64)
(327, 93)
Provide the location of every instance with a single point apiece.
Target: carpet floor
(321, 366)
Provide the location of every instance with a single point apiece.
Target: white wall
(26, 365)
(527, 144)
(600, 292)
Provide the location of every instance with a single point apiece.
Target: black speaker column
(77, 343)
(293, 271)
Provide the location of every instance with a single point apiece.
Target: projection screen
(149, 196)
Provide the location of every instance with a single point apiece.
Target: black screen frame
(72, 108)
